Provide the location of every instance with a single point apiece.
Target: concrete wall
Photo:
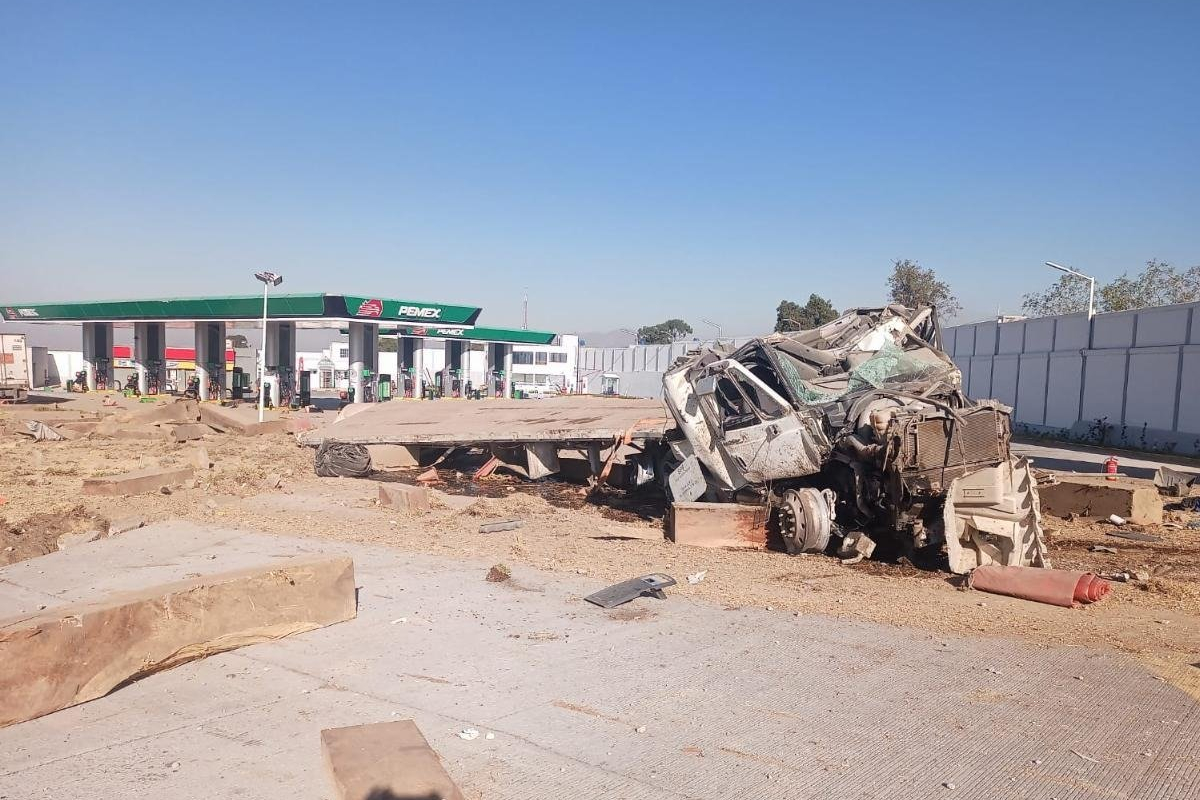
(1128, 378)
(639, 367)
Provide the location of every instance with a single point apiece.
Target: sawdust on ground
(1158, 622)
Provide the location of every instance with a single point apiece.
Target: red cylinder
(1110, 468)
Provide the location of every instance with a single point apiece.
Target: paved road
(735, 703)
(1074, 458)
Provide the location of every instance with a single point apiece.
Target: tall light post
(715, 325)
(1091, 284)
(634, 334)
(268, 279)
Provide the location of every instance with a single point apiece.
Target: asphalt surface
(656, 699)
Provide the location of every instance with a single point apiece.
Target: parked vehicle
(14, 368)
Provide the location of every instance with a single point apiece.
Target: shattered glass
(889, 365)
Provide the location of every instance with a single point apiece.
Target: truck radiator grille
(933, 451)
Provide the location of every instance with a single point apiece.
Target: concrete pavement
(735, 703)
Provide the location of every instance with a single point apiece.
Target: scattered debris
(1128, 576)
(1086, 758)
(468, 734)
(1116, 519)
(339, 460)
(72, 539)
(1134, 536)
(696, 577)
(647, 585)
(41, 432)
(1172, 482)
(1057, 587)
(496, 527)
(1099, 548)
(499, 573)
(429, 476)
(385, 760)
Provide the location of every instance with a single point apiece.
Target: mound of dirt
(38, 535)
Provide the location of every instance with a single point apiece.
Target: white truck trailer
(14, 368)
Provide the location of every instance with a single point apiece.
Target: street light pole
(268, 279)
(634, 334)
(715, 325)
(1091, 284)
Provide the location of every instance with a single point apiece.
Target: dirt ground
(267, 483)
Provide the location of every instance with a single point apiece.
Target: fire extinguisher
(1110, 468)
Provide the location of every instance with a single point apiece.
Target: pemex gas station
(416, 325)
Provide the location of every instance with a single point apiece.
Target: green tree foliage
(664, 332)
(1159, 284)
(237, 340)
(816, 312)
(388, 344)
(913, 286)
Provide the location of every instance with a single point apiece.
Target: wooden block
(718, 525)
(399, 495)
(385, 760)
(1136, 500)
(139, 482)
(392, 456)
(74, 653)
(189, 431)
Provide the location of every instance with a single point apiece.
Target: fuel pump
(407, 376)
(102, 370)
(153, 369)
(368, 386)
(456, 385)
(304, 392)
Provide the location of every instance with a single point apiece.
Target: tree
(1067, 295)
(816, 312)
(913, 286)
(237, 340)
(388, 344)
(664, 332)
(1159, 284)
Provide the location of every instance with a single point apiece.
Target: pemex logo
(370, 308)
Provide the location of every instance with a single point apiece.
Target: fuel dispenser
(385, 387)
(304, 390)
(368, 382)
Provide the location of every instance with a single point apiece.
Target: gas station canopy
(306, 310)
(477, 334)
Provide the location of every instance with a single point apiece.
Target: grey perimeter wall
(640, 368)
(1129, 378)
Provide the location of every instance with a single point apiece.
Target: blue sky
(626, 162)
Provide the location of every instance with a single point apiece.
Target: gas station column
(281, 358)
(364, 356)
(210, 357)
(149, 354)
(418, 365)
(508, 373)
(97, 353)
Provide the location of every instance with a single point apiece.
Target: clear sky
(625, 161)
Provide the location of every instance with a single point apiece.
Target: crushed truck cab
(858, 433)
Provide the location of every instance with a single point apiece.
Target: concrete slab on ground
(656, 699)
(577, 418)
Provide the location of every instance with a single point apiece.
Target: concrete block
(115, 429)
(718, 525)
(199, 459)
(124, 525)
(385, 760)
(242, 421)
(74, 653)
(74, 539)
(394, 456)
(179, 411)
(137, 482)
(188, 431)
(399, 495)
(1136, 500)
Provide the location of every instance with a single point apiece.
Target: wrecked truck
(856, 434)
